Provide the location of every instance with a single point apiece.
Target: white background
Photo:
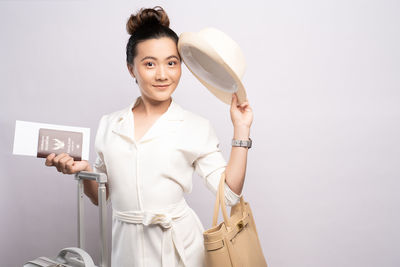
(323, 81)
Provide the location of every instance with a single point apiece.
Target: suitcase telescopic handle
(101, 179)
(98, 177)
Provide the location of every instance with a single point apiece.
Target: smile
(163, 86)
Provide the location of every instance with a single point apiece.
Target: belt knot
(164, 220)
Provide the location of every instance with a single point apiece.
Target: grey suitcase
(78, 257)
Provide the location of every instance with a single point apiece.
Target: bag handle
(220, 201)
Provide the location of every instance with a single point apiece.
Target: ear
(130, 69)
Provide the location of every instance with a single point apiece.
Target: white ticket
(27, 135)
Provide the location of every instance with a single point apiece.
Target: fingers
(59, 161)
(243, 106)
(63, 162)
(82, 165)
(234, 100)
(49, 159)
(67, 166)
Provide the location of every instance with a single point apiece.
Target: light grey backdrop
(323, 81)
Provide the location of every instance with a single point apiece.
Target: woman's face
(157, 68)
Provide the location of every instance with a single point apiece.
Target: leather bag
(234, 242)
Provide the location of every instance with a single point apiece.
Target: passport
(59, 141)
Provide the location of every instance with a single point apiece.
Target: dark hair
(147, 24)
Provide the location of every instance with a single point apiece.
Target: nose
(161, 73)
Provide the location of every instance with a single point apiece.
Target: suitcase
(77, 256)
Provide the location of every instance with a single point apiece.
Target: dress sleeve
(99, 166)
(210, 164)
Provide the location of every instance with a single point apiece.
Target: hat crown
(226, 47)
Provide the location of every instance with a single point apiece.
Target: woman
(149, 152)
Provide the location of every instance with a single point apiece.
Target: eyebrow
(149, 57)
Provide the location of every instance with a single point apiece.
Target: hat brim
(209, 68)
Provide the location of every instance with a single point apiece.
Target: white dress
(152, 224)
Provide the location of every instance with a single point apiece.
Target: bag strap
(220, 201)
(216, 205)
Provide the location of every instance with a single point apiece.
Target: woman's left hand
(241, 115)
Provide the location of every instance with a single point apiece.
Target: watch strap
(242, 143)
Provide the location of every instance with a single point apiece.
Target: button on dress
(152, 225)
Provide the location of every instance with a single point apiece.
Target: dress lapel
(166, 123)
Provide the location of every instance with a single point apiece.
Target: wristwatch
(242, 143)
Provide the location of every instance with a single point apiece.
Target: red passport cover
(58, 141)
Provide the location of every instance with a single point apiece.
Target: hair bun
(147, 17)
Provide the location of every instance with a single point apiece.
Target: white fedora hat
(216, 61)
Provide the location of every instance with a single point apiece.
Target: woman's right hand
(66, 164)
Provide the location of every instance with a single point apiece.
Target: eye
(149, 64)
(172, 63)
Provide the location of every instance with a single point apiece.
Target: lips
(162, 86)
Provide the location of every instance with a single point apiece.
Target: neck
(151, 107)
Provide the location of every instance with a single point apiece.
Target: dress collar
(124, 125)
(174, 111)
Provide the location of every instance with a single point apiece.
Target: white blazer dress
(152, 225)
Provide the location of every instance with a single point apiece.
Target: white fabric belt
(165, 218)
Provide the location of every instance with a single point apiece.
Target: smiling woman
(157, 69)
(150, 150)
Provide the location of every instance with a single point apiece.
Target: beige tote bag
(234, 242)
